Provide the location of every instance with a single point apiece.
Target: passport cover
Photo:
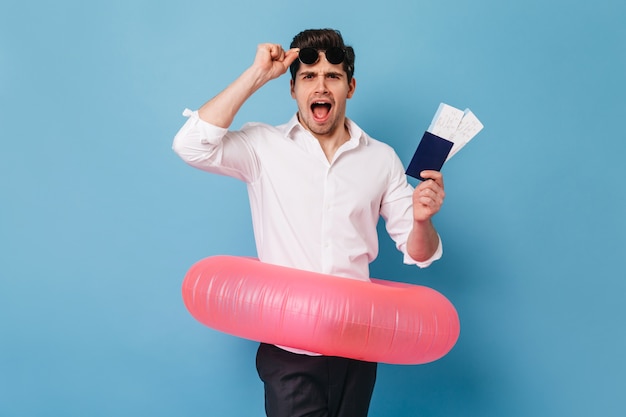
(431, 153)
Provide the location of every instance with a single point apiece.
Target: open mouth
(320, 110)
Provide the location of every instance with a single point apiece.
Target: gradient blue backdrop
(99, 220)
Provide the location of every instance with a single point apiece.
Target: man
(317, 187)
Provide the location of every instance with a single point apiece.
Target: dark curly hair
(322, 39)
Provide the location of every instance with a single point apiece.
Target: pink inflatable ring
(378, 321)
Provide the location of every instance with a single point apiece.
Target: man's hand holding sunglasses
(273, 61)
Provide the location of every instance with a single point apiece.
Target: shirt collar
(356, 134)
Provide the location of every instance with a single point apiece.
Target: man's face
(321, 91)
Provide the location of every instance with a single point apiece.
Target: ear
(292, 86)
(351, 87)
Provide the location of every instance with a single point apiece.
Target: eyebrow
(335, 73)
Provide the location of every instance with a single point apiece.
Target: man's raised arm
(271, 62)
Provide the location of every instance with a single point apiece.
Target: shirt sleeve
(397, 211)
(215, 149)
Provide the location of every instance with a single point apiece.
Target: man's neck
(330, 143)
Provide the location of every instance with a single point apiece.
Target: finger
(428, 197)
(433, 175)
(265, 52)
(429, 193)
(291, 55)
(427, 206)
(430, 186)
(277, 52)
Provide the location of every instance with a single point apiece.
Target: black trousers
(314, 386)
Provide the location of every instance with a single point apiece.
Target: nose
(320, 85)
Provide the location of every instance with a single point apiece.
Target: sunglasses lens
(308, 56)
(335, 55)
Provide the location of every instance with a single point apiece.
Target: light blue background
(99, 220)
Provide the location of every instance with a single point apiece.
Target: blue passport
(430, 154)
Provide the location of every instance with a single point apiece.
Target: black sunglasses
(310, 56)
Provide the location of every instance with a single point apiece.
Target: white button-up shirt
(309, 213)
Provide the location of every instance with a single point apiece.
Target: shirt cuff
(209, 134)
